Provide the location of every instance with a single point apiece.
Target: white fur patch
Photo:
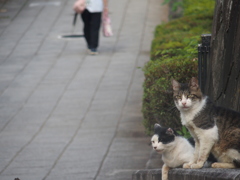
(234, 154)
(210, 134)
(181, 153)
(229, 156)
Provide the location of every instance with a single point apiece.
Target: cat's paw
(187, 165)
(215, 165)
(165, 178)
(223, 165)
(197, 166)
(164, 175)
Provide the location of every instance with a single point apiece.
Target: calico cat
(175, 149)
(214, 129)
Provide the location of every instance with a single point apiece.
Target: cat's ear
(156, 126)
(170, 131)
(193, 84)
(175, 85)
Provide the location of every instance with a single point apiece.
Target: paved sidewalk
(65, 115)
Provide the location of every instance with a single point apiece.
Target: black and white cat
(175, 149)
(214, 129)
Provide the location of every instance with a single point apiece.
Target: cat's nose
(155, 147)
(183, 103)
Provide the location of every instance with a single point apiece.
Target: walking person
(91, 15)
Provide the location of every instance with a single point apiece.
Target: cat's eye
(190, 96)
(178, 97)
(152, 141)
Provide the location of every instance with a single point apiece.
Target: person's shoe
(92, 51)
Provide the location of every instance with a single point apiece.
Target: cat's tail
(236, 163)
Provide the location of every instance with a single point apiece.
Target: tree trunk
(223, 73)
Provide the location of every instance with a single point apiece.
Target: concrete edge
(188, 174)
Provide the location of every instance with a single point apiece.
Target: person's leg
(86, 17)
(94, 31)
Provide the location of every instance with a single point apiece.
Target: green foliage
(175, 4)
(173, 55)
(192, 7)
(196, 7)
(165, 2)
(177, 36)
(184, 132)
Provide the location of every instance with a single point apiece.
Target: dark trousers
(92, 23)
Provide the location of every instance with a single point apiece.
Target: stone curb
(189, 174)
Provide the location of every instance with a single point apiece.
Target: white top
(94, 5)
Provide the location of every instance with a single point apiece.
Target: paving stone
(64, 114)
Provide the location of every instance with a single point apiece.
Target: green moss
(173, 55)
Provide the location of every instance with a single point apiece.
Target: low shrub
(173, 55)
(196, 7)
